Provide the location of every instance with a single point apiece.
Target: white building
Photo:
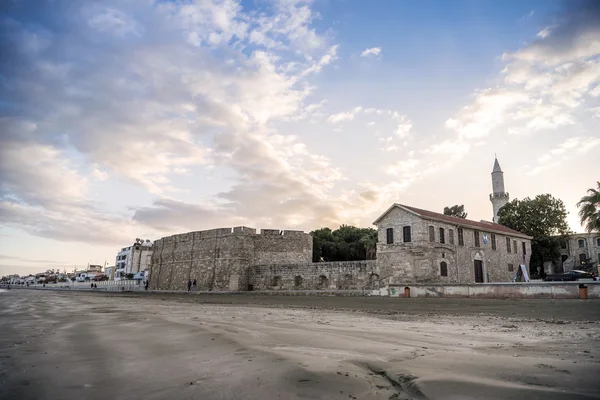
(133, 259)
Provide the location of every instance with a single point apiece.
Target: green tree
(544, 218)
(456, 211)
(347, 243)
(589, 209)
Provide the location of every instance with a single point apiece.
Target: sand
(58, 345)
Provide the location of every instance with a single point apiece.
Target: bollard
(583, 291)
(407, 292)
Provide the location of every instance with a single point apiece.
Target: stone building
(417, 245)
(576, 250)
(219, 259)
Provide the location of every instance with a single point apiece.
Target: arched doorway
(323, 282)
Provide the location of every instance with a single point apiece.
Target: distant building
(133, 259)
(110, 272)
(577, 251)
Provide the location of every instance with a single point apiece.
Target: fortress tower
(498, 197)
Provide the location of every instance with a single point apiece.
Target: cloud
(344, 116)
(563, 152)
(403, 125)
(144, 91)
(544, 82)
(372, 52)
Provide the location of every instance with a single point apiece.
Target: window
(523, 246)
(581, 243)
(390, 235)
(598, 242)
(298, 281)
(451, 236)
(443, 269)
(515, 246)
(442, 236)
(493, 242)
(431, 234)
(406, 234)
(582, 258)
(508, 249)
(461, 239)
(476, 236)
(511, 267)
(563, 244)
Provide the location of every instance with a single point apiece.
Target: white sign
(525, 274)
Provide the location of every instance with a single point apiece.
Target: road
(57, 345)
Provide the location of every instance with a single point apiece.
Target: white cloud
(563, 152)
(544, 32)
(344, 116)
(371, 52)
(544, 82)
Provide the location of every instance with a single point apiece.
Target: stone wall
(343, 275)
(420, 259)
(219, 258)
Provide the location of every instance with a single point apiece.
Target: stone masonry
(343, 275)
(218, 259)
(427, 258)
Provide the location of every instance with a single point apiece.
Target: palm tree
(589, 209)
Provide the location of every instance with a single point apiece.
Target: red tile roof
(481, 225)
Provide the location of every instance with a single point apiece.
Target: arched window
(443, 269)
(276, 281)
(581, 243)
(298, 281)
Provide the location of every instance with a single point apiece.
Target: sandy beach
(60, 345)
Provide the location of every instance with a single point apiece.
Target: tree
(589, 209)
(544, 218)
(347, 243)
(456, 211)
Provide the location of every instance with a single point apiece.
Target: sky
(125, 119)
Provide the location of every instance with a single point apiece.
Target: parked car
(572, 275)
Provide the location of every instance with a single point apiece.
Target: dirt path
(57, 345)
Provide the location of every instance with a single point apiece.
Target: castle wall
(218, 259)
(342, 275)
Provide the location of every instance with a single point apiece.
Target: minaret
(498, 197)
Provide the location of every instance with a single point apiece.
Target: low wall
(547, 290)
(105, 286)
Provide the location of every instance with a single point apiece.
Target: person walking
(189, 285)
(194, 285)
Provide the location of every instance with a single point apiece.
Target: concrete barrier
(539, 290)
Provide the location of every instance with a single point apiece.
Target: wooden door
(478, 271)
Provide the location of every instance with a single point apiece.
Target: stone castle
(414, 246)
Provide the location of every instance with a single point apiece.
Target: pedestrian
(189, 285)
(146, 285)
(194, 285)
(91, 285)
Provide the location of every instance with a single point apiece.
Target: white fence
(106, 286)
